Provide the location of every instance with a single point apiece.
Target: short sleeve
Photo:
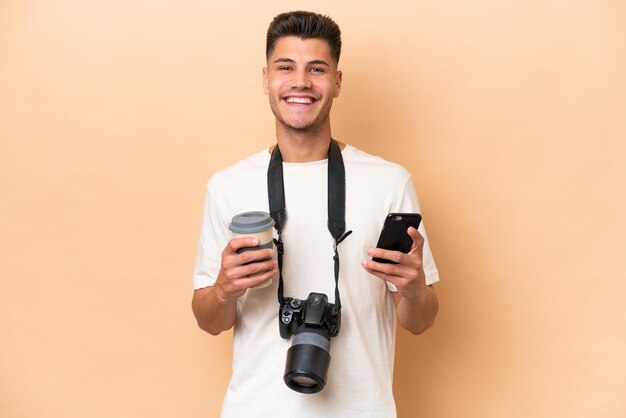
(214, 236)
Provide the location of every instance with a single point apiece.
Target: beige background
(511, 116)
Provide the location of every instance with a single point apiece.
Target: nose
(301, 79)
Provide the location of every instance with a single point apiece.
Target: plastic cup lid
(251, 222)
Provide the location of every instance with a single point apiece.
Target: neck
(303, 146)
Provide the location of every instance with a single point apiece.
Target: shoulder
(361, 161)
(250, 166)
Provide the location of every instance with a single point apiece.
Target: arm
(416, 303)
(215, 307)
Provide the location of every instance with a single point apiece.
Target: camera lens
(308, 359)
(303, 381)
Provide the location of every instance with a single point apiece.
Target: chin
(299, 125)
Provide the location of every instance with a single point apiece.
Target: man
(301, 80)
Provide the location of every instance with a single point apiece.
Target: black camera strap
(336, 207)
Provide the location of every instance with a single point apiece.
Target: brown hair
(304, 25)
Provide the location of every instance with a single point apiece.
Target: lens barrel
(308, 359)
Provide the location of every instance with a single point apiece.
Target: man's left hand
(408, 275)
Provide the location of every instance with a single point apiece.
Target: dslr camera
(312, 322)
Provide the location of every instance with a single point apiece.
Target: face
(301, 80)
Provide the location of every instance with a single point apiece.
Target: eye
(284, 68)
(317, 70)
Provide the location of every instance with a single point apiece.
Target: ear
(338, 80)
(265, 89)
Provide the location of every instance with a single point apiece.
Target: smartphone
(394, 236)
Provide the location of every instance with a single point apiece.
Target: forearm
(213, 313)
(417, 314)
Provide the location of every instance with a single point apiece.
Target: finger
(238, 243)
(395, 270)
(418, 239)
(244, 271)
(231, 260)
(254, 255)
(256, 278)
(240, 285)
(259, 267)
(413, 233)
(249, 281)
(396, 280)
(401, 277)
(391, 255)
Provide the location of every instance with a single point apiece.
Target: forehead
(301, 50)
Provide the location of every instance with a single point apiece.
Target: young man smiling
(301, 80)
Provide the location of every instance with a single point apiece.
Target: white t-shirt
(359, 381)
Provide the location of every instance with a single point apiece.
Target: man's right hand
(215, 307)
(236, 276)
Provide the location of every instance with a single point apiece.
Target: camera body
(314, 312)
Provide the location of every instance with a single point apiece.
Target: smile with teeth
(299, 100)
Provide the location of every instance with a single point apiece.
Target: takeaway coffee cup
(257, 225)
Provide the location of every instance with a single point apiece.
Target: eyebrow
(314, 62)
